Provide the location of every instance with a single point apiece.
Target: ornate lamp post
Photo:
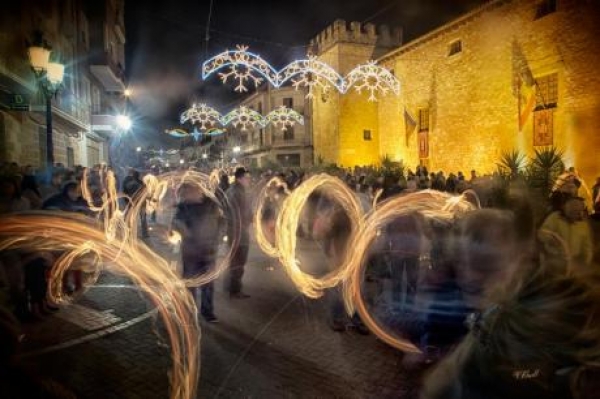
(49, 76)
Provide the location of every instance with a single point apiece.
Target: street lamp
(237, 149)
(49, 76)
(124, 122)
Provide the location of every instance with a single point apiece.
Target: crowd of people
(471, 290)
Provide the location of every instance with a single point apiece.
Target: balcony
(279, 143)
(109, 73)
(104, 123)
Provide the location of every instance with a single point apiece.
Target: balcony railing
(110, 73)
(255, 146)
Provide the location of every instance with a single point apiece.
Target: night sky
(165, 43)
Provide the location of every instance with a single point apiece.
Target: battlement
(355, 32)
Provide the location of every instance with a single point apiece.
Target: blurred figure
(197, 218)
(133, 186)
(240, 219)
(30, 189)
(539, 338)
(333, 226)
(52, 185)
(406, 244)
(10, 196)
(571, 226)
(68, 200)
(596, 196)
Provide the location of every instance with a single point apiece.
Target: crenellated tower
(345, 126)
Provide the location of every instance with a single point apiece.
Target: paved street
(277, 344)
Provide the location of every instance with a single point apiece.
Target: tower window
(546, 94)
(455, 47)
(367, 135)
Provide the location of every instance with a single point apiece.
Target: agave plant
(512, 163)
(546, 165)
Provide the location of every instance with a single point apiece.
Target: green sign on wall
(14, 101)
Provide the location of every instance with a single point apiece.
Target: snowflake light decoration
(310, 73)
(242, 66)
(245, 67)
(177, 133)
(202, 115)
(243, 117)
(196, 134)
(284, 117)
(372, 78)
(214, 132)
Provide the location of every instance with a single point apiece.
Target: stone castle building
(510, 75)
(88, 38)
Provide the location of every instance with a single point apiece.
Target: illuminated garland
(284, 117)
(310, 73)
(243, 67)
(196, 134)
(202, 115)
(372, 78)
(242, 117)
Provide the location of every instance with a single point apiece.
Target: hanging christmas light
(177, 133)
(245, 67)
(372, 78)
(214, 132)
(284, 117)
(242, 67)
(201, 114)
(244, 118)
(311, 73)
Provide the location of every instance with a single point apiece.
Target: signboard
(14, 101)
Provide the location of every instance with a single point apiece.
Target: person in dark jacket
(240, 218)
(132, 187)
(68, 200)
(198, 218)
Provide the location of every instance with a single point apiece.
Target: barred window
(423, 119)
(546, 92)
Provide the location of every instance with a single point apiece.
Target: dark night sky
(165, 43)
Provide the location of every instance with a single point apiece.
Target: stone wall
(471, 95)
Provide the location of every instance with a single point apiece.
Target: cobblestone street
(276, 344)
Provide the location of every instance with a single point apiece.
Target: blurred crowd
(509, 288)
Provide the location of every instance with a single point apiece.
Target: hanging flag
(523, 84)
(410, 125)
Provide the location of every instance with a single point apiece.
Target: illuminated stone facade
(465, 86)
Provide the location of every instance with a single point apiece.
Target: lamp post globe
(49, 76)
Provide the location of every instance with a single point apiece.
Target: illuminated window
(546, 93)
(367, 135)
(423, 119)
(455, 47)
(545, 7)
